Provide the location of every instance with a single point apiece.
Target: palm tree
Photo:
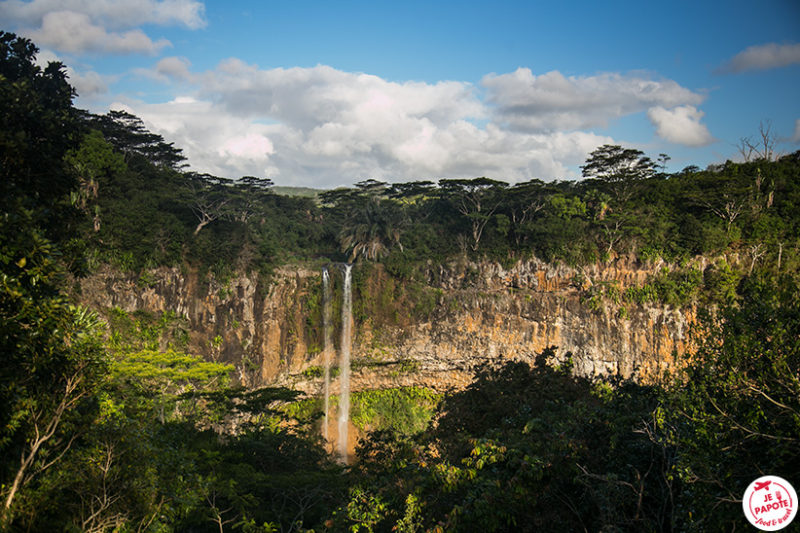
(372, 229)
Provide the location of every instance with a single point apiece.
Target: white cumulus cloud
(213, 141)
(304, 97)
(680, 125)
(170, 69)
(763, 57)
(75, 33)
(552, 101)
(87, 83)
(174, 67)
(111, 13)
(252, 146)
(107, 26)
(324, 127)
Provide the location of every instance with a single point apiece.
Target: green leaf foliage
(736, 408)
(52, 361)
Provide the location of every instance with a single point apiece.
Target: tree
(763, 147)
(735, 411)
(210, 198)
(729, 191)
(372, 229)
(372, 224)
(248, 197)
(93, 161)
(619, 168)
(412, 192)
(52, 360)
(38, 125)
(526, 449)
(663, 159)
(165, 375)
(130, 136)
(524, 201)
(477, 199)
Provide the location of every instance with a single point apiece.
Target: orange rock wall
(479, 313)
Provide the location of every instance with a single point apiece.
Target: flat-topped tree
(619, 168)
(524, 201)
(247, 200)
(477, 199)
(348, 199)
(371, 187)
(411, 192)
(210, 198)
(414, 198)
(130, 136)
(253, 183)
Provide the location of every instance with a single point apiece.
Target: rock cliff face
(429, 333)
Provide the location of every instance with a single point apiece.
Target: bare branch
(43, 431)
(745, 148)
(757, 251)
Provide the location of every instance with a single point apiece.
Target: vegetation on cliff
(105, 428)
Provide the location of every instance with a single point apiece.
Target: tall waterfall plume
(328, 343)
(344, 364)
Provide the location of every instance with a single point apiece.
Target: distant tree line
(145, 210)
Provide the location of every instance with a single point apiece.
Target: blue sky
(329, 93)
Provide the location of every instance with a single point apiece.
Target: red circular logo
(770, 503)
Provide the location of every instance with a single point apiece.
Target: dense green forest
(103, 430)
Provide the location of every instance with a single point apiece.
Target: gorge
(407, 333)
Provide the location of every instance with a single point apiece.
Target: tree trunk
(200, 226)
(68, 400)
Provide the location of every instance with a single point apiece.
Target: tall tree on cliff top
(619, 168)
(477, 199)
(524, 202)
(373, 224)
(128, 134)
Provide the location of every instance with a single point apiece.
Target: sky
(325, 94)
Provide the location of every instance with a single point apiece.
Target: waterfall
(344, 364)
(328, 343)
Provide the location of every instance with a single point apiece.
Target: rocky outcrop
(431, 333)
(259, 330)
